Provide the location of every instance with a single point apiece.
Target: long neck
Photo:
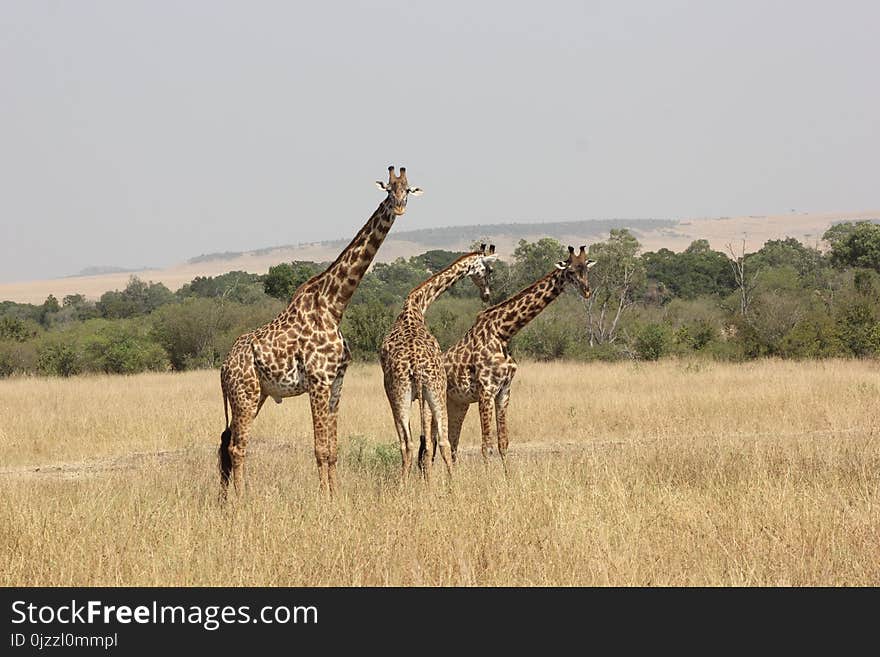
(425, 294)
(343, 277)
(509, 317)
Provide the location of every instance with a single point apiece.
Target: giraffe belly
(289, 384)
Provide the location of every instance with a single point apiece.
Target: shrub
(58, 358)
(17, 357)
(651, 341)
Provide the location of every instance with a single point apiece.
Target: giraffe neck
(424, 295)
(345, 274)
(509, 317)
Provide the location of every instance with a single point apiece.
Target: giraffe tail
(225, 458)
(225, 406)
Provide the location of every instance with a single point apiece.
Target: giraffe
(412, 361)
(302, 350)
(480, 368)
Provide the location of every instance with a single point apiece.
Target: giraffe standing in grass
(412, 361)
(479, 367)
(302, 349)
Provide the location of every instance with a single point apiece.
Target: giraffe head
(398, 190)
(480, 268)
(575, 270)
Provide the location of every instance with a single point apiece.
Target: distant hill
(454, 237)
(653, 234)
(101, 270)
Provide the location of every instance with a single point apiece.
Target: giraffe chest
(482, 371)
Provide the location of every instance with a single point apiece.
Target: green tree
(806, 261)
(365, 325)
(18, 330)
(138, 298)
(284, 279)
(59, 358)
(532, 260)
(696, 271)
(855, 245)
(615, 280)
(122, 347)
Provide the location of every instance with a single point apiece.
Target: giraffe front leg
(319, 398)
(486, 402)
(332, 431)
(501, 401)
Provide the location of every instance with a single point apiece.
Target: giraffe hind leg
(225, 462)
(440, 424)
(456, 414)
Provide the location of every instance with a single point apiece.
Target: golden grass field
(675, 473)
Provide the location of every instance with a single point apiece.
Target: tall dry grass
(669, 473)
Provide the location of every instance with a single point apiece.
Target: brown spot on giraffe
(479, 367)
(412, 362)
(302, 350)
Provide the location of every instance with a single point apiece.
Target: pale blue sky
(143, 133)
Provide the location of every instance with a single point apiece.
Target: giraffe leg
(427, 445)
(400, 403)
(486, 402)
(456, 412)
(332, 430)
(440, 424)
(501, 401)
(434, 430)
(235, 440)
(245, 400)
(407, 445)
(319, 399)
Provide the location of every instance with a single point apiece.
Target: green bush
(17, 357)
(364, 326)
(123, 349)
(58, 358)
(651, 341)
(198, 332)
(449, 318)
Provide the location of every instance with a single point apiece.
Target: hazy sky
(144, 133)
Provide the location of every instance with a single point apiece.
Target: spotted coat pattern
(480, 368)
(412, 362)
(302, 350)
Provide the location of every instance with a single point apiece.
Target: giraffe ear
(381, 185)
(562, 265)
(415, 191)
(591, 263)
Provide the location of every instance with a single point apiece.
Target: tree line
(787, 300)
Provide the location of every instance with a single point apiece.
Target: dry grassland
(665, 474)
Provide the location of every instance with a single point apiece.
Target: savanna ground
(675, 473)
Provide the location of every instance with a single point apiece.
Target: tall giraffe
(479, 367)
(412, 361)
(302, 349)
